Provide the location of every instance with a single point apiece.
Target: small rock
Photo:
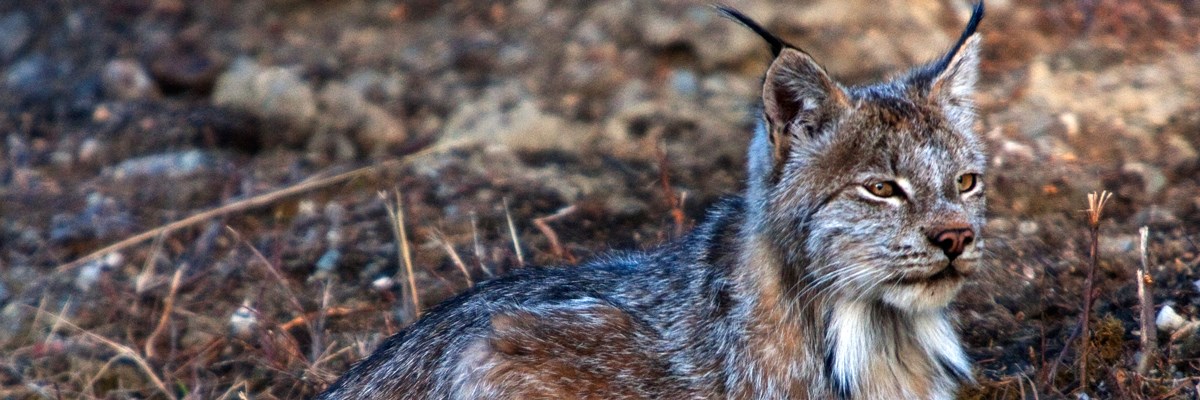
(375, 129)
(515, 122)
(531, 7)
(86, 93)
(337, 217)
(383, 284)
(1012, 151)
(1070, 123)
(127, 80)
(271, 93)
(230, 129)
(244, 322)
(371, 83)
(307, 208)
(1177, 152)
(1168, 320)
(170, 165)
(1026, 228)
(180, 71)
(329, 260)
(513, 56)
(90, 273)
(1119, 244)
(1155, 215)
(1153, 179)
(14, 34)
(101, 218)
(33, 74)
(684, 83)
(998, 226)
(715, 40)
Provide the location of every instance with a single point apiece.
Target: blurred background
(497, 133)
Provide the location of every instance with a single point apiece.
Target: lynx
(829, 277)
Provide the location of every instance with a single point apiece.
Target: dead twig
(253, 203)
(556, 247)
(1095, 207)
(1145, 285)
(1095, 210)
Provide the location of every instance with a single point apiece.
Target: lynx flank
(828, 278)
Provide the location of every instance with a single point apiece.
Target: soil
(538, 132)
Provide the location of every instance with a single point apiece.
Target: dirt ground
(541, 132)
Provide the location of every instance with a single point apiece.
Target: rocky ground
(536, 131)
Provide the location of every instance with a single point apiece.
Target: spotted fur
(808, 286)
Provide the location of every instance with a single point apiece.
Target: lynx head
(871, 193)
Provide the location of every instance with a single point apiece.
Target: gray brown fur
(807, 286)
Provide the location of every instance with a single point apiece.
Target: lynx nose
(952, 240)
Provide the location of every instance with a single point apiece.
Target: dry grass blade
(1096, 204)
(317, 346)
(396, 214)
(240, 384)
(1036, 396)
(91, 383)
(453, 254)
(512, 231)
(168, 307)
(543, 225)
(478, 248)
(329, 312)
(119, 348)
(145, 279)
(327, 355)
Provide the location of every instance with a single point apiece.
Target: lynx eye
(883, 189)
(966, 182)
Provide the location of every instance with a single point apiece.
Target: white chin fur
(921, 296)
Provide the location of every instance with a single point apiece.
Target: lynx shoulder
(829, 276)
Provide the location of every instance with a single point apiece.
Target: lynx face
(876, 193)
(899, 184)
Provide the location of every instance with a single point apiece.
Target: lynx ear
(954, 76)
(798, 99)
(955, 85)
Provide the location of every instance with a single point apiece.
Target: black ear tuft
(777, 44)
(976, 16)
